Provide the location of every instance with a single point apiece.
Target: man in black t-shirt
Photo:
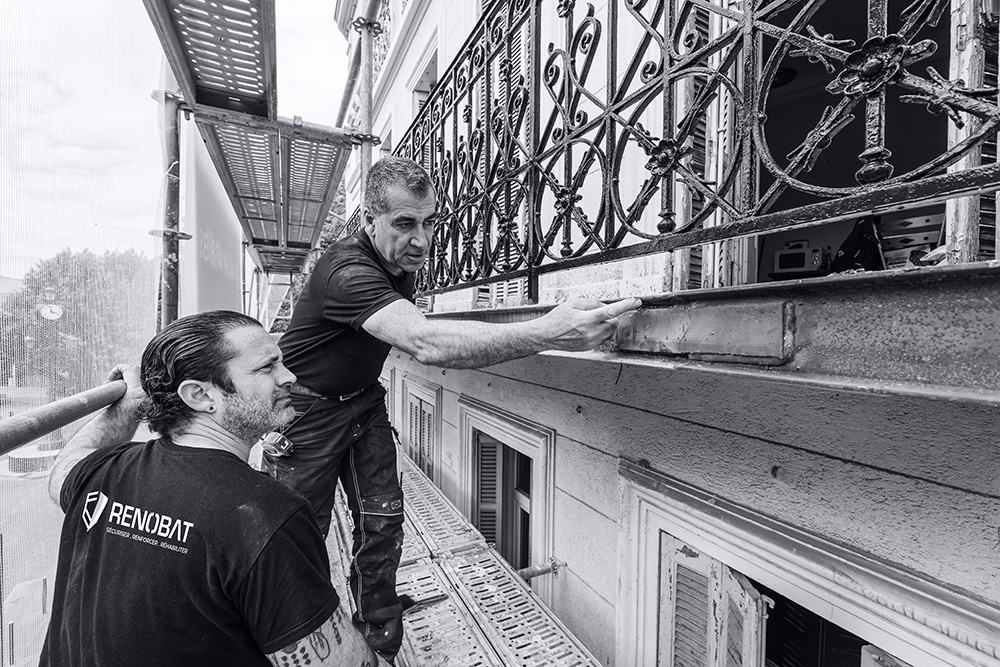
(356, 306)
(175, 552)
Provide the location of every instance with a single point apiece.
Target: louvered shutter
(744, 622)
(709, 614)
(413, 428)
(685, 609)
(424, 155)
(699, 149)
(509, 292)
(427, 439)
(988, 202)
(488, 498)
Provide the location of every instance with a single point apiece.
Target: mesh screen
(80, 189)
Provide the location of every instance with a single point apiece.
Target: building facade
(789, 456)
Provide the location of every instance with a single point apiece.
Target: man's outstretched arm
(571, 326)
(113, 425)
(336, 643)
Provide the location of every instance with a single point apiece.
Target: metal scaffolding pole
(171, 235)
(371, 11)
(368, 29)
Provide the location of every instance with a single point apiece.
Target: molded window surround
(913, 619)
(415, 387)
(532, 440)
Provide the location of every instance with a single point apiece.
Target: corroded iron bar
(32, 424)
(932, 190)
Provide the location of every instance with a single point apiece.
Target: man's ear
(199, 396)
(369, 218)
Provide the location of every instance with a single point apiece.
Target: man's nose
(420, 239)
(287, 377)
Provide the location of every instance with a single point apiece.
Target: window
(503, 499)
(422, 427)
(421, 93)
(686, 556)
(506, 484)
(796, 637)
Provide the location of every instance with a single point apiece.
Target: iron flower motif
(566, 200)
(871, 67)
(664, 156)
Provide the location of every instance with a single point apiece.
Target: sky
(80, 139)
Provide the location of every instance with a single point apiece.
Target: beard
(250, 418)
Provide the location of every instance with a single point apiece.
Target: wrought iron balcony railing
(562, 135)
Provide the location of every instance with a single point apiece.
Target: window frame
(915, 620)
(534, 441)
(413, 386)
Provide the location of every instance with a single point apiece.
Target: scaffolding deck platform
(478, 611)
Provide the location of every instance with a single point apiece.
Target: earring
(211, 408)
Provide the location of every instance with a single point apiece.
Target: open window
(503, 499)
(506, 487)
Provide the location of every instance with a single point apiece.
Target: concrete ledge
(933, 327)
(755, 332)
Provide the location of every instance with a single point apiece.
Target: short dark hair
(191, 348)
(394, 171)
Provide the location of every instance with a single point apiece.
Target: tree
(76, 316)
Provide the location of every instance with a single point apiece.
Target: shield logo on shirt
(93, 507)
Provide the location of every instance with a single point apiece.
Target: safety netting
(81, 183)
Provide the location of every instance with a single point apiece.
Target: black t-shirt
(325, 345)
(180, 556)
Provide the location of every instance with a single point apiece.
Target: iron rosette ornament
(862, 79)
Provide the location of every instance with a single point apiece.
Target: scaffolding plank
(442, 632)
(511, 616)
(441, 525)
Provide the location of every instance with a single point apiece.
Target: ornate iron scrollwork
(539, 148)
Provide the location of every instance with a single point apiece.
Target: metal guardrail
(642, 128)
(21, 429)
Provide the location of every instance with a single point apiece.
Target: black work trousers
(352, 441)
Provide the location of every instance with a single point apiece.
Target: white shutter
(427, 439)
(709, 614)
(488, 493)
(686, 605)
(745, 615)
(413, 428)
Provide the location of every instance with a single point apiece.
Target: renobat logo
(93, 507)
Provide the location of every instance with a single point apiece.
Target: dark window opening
(796, 637)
